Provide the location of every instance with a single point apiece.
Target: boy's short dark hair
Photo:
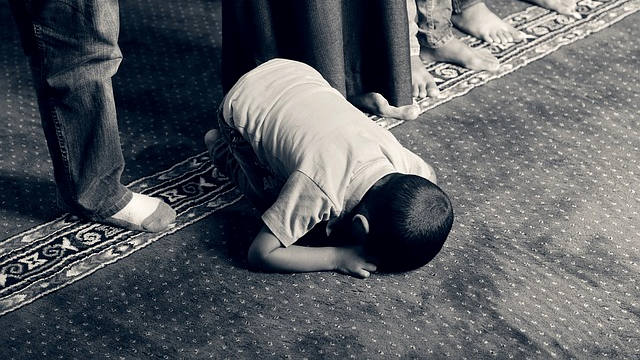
(409, 220)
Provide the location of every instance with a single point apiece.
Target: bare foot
(477, 20)
(422, 82)
(457, 52)
(210, 138)
(564, 7)
(376, 104)
(217, 148)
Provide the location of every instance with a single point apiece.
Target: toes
(566, 8)
(412, 112)
(432, 89)
(571, 11)
(493, 40)
(370, 102)
(380, 104)
(511, 33)
(210, 138)
(370, 266)
(507, 35)
(516, 35)
(488, 38)
(376, 104)
(523, 36)
(485, 61)
(484, 64)
(407, 112)
(485, 54)
(496, 38)
(569, 6)
(422, 87)
(504, 38)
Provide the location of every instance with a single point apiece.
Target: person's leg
(73, 52)
(439, 43)
(234, 157)
(565, 7)
(422, 83)
(476, 19)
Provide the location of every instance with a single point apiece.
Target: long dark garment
(359, 46)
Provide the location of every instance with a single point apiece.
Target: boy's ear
(359, 225)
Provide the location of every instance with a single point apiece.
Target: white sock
(143, 213)
(139, 208)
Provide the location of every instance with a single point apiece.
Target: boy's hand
(351, 261)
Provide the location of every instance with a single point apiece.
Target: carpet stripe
(50, 256)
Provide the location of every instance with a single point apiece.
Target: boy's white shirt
(327, 152)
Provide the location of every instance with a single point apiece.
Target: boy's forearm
(301, 259)
(267, 254)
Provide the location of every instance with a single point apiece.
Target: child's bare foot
(564, 7)
(210, 138)
(477, 20)
(457, 52)
(422, 82)
(376, 104)
(143, 213)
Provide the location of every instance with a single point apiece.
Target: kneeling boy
(305, 156)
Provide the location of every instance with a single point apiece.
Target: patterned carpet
(541, 161)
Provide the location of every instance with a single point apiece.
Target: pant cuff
(460, 6)
(440, 41)
(124, 197)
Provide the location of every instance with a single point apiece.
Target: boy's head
(406, 219)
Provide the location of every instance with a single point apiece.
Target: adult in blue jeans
(436, 18)
(72, 46)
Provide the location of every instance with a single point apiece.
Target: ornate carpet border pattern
(547, 32)
(55, 254)
(48, 257)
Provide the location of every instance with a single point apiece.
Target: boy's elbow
(257, 258)
(261, 257)
(261, 254)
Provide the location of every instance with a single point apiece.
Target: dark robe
(359, 46)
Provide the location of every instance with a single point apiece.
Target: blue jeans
(460, 5)
(72, 46)
(434, 20)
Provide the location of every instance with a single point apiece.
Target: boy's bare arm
(267, 254)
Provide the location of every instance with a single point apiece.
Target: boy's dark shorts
(235, 158)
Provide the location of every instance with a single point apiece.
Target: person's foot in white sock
(143, 213)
